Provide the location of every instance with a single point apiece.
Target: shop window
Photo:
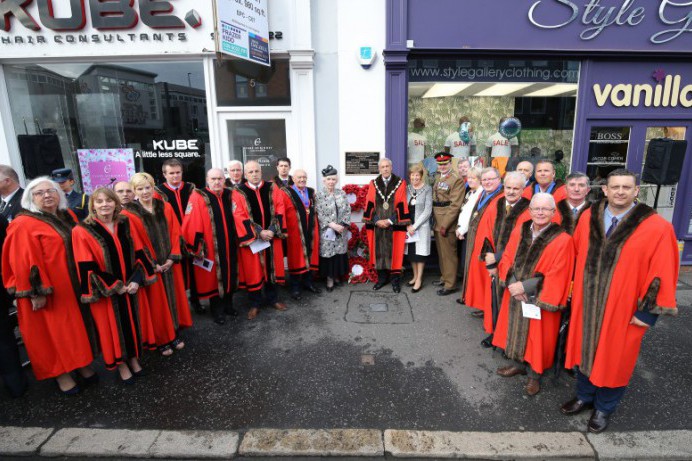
(445, 92)
(608, 149)
(122, 111)
(248, 84)
(261, 140)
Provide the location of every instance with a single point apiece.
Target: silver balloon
(510, 128)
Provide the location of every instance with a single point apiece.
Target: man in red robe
(546, 182)
(626, 275)
(536, 269)
(572, 208)
(177, 192)
(386, 217)
(476, 282)
(501, 218)
(259, 209)
(209, 230)
(303, 239)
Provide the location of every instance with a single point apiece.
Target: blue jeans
(604, 399)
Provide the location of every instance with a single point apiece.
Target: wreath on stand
(360, 271)
(355, 195)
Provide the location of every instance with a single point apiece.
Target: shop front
(110, 89)
(592, 85)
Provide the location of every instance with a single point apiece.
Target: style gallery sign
(34, 28)
(554, 25)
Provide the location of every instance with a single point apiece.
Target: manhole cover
(378, 307)
(384, 308)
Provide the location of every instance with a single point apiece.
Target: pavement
(355, 374)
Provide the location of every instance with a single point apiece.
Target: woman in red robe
(112, 266)
(167, 299)
(38, 269)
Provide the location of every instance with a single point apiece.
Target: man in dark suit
(10, 192)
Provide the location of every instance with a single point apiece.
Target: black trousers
(10, 366)
(267, 296)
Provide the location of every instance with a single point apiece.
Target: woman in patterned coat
(333, 212)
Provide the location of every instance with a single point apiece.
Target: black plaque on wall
(362, 163)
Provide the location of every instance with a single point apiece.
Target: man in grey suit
(10, 192)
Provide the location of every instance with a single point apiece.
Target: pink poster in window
(105, 167)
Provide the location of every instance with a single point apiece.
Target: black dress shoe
(229, 310)
(598, 422)
(396, 287)
(445, 292)
(438, 283)
(380, 284)
(330, 289)
(296, 295)
(220, 320)
(488, 342)
(199, 309)
(574, 406)
(313, 289)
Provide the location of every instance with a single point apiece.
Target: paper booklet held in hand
(530, 311)
(412, 238)
(205, 264)
(259, 245)
(329, 235)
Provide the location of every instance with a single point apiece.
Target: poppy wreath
(359, 192)
(355, 237)
(359, 270)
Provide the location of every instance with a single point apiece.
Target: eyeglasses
(41, 192)
(490, 179)
(541, 210)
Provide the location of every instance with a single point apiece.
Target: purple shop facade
(635, 66)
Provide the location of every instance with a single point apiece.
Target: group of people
(538, 259)
(536, 256)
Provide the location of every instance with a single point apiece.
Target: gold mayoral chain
(385, 205)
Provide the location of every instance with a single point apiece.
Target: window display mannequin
(417, 142)
(499, 148)
(462, 143)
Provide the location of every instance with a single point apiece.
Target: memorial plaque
(362, 163)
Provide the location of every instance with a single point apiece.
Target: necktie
(613, 224)
(508, 208)
(285, 182)
(575, 210)
(3, 206)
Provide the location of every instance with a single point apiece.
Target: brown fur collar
(569, 221)
(601, 260)
(505, 223)
(528, 254)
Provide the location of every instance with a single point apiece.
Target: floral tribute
(355, 195)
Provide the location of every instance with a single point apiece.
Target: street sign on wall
(242, 29)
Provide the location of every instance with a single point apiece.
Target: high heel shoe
(330, 289)
(416, 290)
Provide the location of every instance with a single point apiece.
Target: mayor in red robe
(209, 231)
(259, 208)
(626, 276)
(303, 238)
(112, 266)
(536, 267)
(546, 182)
(476, 284)
(386, 218)
(38, 269)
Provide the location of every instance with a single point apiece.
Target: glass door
(262, 137)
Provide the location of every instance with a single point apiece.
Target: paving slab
(650, 445)
(22, 440)
(119, 443)
(487, 445)
(312, 442)
(195, 444)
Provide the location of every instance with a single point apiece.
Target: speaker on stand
(663, 165)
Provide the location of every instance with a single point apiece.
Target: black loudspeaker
(663, 163)
(41, 154)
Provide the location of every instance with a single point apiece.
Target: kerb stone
(100, 442)
(643, 445)
(487, 445)
(22, 440)
(195, 445)
(318, 442)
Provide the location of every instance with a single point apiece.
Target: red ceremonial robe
(559, 192)
(635, 269)
(386, 245)
(160, 233)
(551, 258)
(106, 262)
(303, 232)
(178, 198)
(209, 231)
(476, 284)
(255, 210)
(37, 260)
(565, 217)
(497, 226)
